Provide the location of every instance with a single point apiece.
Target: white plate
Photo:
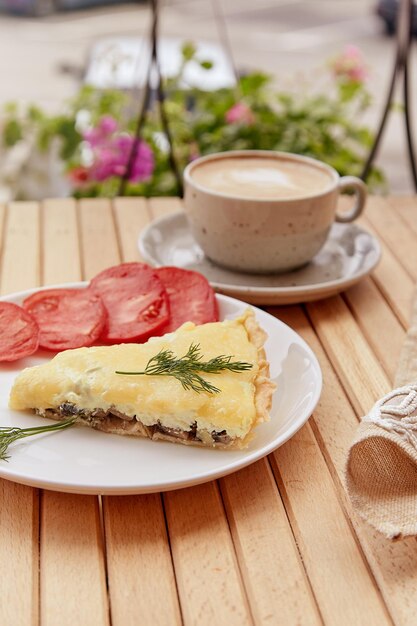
(349, 254)
(81, 460)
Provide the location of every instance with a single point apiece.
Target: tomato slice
(19, 332)
(67, 318)
(136, 302)
(191, 298)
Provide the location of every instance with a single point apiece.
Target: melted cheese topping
(86, 377)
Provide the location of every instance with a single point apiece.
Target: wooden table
(276, 543)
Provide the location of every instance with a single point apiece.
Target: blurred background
(49, 48)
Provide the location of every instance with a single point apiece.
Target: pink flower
(349, 65)
(194, 151)
(240, 113)
(105, 164)
(106, 127)
(144, 162)
(112, 160)
(111, 153)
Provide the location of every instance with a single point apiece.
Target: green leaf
(188, 50)
(11, 108)
(206, 65)
(252, 83)
(35, 114)
(12, 133)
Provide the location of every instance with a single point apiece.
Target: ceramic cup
(263, 212)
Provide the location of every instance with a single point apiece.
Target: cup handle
(359, 187)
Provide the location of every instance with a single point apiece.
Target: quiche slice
(84, 383)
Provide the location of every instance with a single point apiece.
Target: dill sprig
(9, 434)
(186, 369)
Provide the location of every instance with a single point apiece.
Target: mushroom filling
(112, 419)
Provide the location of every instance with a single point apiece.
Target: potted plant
(85, 149)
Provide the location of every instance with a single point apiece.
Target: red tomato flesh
(136, 302)
(191, 298)
(19, 332)
(67, 318)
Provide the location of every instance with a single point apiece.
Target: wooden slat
(392, 280)
(70, 524)
(99, 244)
(406, 207)
(371, 318)
(361, 374)
(328, 547)
(159, 207)
(277, 586)
(132, 215)
(19, 505)
(141, 577)
(208, 577)
(19, 554)
(334, 416)
(395, 232)
(61, 248)
(334, 423)
(73, 582)
(21, 250)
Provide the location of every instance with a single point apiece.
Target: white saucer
(349, 254)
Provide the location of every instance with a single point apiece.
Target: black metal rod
(144, 105)
(160, 94)
(381, 127)
(167, 131)
(409, 134)
(224, 36)
(404, 40)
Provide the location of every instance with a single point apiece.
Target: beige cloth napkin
(381, 469)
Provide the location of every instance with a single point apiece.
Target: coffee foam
(261, 177)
